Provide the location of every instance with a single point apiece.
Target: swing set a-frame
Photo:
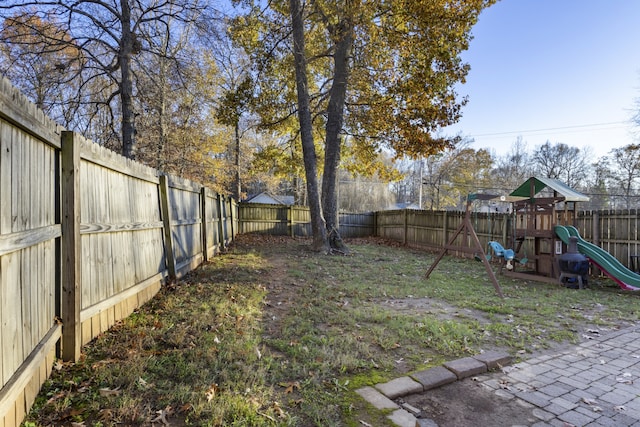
(471, 244)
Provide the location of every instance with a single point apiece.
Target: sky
(563, 71)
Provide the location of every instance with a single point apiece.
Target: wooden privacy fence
(618, 232)
(86, 237)
(294, 221)
(615, 231)
(432, 229)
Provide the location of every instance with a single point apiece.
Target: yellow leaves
(244, 30)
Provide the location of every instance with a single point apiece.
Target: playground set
(543, 218)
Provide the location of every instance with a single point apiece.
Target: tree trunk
(126, 84)
(237, 188)
(163, 94)
(333, 142)
(304, 116)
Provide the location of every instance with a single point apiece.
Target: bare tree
(167, 72)
(44, 69)
(562, 162)
(235, 89)
(598, 190)
(109, 34)
(513, 168)
(625, 172)
(449, 176)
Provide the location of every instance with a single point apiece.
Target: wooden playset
(539, 204)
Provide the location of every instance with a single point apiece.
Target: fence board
(16, 109)
(81, 237)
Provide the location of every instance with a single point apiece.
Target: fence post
(375, 224)
(71, 249)
(445, 239)
(232, 217)
(220, 223)
(595, 230)
(405, 227)
(290, 221)
(204, 228)
(166, 226)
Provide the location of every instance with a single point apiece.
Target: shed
(270, 199)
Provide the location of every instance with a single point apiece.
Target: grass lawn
(273, 334)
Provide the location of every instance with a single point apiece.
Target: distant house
(270, 199)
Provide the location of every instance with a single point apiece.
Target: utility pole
(420, 187)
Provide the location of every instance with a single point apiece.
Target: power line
(518, 132)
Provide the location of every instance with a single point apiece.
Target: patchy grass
(272, 334)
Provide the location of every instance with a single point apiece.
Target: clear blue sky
(538, 65)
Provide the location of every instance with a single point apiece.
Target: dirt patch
(440, 309)
(468, 403)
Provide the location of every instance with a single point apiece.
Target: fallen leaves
(106, 415)
(591, 334)
(183, 409)
(68, 415)
(278, 410)
(211, 392)
(504, 384)
(106, 392)
(290, 387)
(593, 404)
(143, 384)
(58, 365)
(625, 378)
(162, 414)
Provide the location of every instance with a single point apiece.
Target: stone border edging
(381, 395)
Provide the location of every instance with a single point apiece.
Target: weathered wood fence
(615, 231)
(86, 237)
(292, 221)
(618, 232)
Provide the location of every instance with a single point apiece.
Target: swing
(470, 242)
(507, 256)
(479, 258)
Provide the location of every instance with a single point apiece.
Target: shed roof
(539, 183)
(271, 199)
